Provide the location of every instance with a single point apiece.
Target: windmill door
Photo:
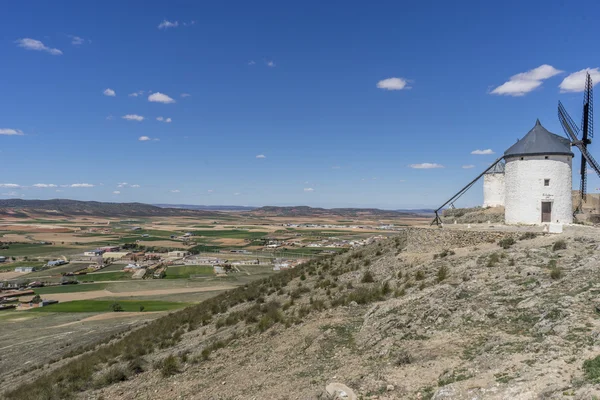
(546, 211)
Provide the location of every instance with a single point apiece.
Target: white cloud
(110, 118)
(160, 98)
(482, 152)
(11, 194)
(270, 64)
(393, 84)
(122, 184)
(576, 81)
(237, 194)
(44, 185)
(251, 62)
(168, 24)
(144, 139)
(189, 23)
(525, 82)
(469, 166)
(9, 185)
(116, 192)
(426, 166)
(82, 185)
(32, 44)
(309, 189)
(135, 186)
(109, 92)
(76, 40)
(59, 191)
(210, 190)
(161, 119)
(175, 191)
(261, 156)
(10, 132)
(133, 117)
(185, 95)
(136, 94)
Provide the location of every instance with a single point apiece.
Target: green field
(184, 271)
(6, 266)
(104, 276)
(88, 287)
(26, 249)
(106, 306)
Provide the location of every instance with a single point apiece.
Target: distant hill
(306, 211)
(65, 207)
(206, 208)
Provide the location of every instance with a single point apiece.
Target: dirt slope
(394, 321)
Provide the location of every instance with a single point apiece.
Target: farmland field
(104, 276)
(185, 271)
(106, 306)
(88, 287)
(26, 249)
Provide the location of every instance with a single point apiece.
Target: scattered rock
(339, 391)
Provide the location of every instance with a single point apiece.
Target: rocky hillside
(429, 314)
(65, 207)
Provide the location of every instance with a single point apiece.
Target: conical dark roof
(539, 141)
(497, 169)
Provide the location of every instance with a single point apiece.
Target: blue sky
(342, 99)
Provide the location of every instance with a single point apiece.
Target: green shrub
(442, 273)
(506, 242)
(559, 245)
(169, 366)
(112, 375)
(420, 275)
(556, 273)
(368, 277)
(591, 368)
(528, 235)
(116, 307)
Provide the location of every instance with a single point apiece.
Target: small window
(521, 158)
(546, 182)
(546, 157)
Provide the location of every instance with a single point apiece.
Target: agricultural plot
(80, 306)
(104, 276)
(33, 249)
(56, 271)
(187, 271)
(88, 287)
(231, 234)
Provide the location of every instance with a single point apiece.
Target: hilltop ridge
(65, 207)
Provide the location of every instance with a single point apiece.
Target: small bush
(559, 245)
(420, 275)
(528, 235)
(116, 307)
(368, 277)
(442, 273)
(591, 368)
(113, 375)
(444, 253)
(169, 366)
(506, 243)
(556, 273)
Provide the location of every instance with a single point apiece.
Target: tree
(116, 307)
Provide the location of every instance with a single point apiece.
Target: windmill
(581, 138)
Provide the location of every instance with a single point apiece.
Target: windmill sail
(582, 138)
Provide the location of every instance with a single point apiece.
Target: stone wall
(425, 240)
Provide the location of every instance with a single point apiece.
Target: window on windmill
(546, 182)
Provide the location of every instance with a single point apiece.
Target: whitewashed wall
(493, 190)
(525, 190)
